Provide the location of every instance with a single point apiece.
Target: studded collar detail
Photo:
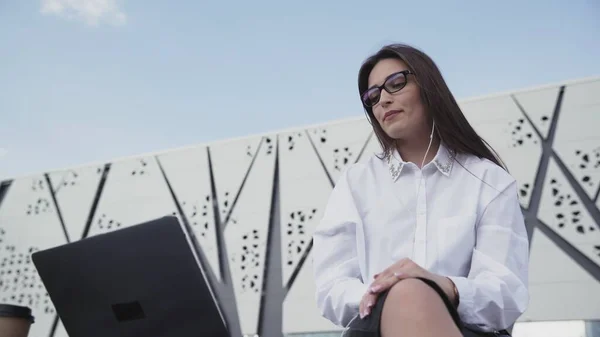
(444, 161)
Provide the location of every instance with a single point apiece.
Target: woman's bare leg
(412, 308)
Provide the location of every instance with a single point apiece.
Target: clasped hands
(405, 268)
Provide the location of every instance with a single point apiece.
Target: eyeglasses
(393, 83)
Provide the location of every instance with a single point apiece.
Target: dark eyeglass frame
(384, 87)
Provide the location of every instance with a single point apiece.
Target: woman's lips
(391, 113)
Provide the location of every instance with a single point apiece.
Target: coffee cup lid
(9, 310)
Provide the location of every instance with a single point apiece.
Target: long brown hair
(451, 126)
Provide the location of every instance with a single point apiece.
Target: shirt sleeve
(339, 286)
(495, 293)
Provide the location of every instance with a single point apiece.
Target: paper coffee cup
(15, 320)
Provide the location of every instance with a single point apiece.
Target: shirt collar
(443, 160)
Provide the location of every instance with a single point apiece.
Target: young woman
(428, 238)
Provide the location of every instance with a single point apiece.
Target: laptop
(138, 281)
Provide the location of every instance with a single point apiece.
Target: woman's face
(401, 114)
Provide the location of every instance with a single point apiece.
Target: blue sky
(89, 80)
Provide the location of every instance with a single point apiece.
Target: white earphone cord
(428, 146)
(425, 157)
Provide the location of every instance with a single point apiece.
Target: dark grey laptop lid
(138, 281)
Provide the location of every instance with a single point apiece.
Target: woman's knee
(412, 305)
(407, 307)
(411, 290)
(413, 298)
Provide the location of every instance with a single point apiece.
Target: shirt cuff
(356, 294)
(466, 295)
(352, 297)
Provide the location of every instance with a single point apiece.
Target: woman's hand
(367, 303)
(400, 270)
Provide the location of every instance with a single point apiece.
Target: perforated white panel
(188, 173)
(300, 313)
(231, 162)
(75, 191)
(512, 136)
(135, 191)
(304, 189)
(57, 179)
(562, 210)
(583, 160)
(486, 110)
(373, 148)
(539, 106)
(340, 144)
(28, 223)
(579, 113)
(560, 289)
(246, 237)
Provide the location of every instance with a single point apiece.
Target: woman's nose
(386, 99)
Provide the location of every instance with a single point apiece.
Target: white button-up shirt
(458, 217)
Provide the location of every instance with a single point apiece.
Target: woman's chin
(395, 131)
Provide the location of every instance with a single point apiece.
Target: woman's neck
(414, 150)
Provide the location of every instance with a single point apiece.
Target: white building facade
(253, 202)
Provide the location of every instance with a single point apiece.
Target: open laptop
(139, 281)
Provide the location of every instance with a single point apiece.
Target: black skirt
(370, 325)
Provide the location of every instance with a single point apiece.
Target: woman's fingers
(384, 283)
(366, 304)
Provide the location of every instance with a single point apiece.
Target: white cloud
(92, 12)
(3, 152)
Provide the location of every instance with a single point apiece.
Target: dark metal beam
(239, 192)
(532, 210)
(4, 186)
(585, 262)
(270, 322)
(97, 196)
(223, 291)
(56, 207)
